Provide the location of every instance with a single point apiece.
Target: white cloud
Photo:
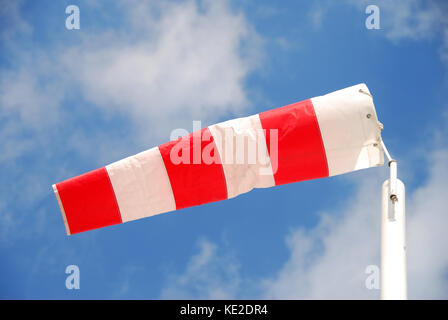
(13, 25)
(189, 62)
(329, 260)
(400, 20)
(168, 64)
(412, 19)
(27, 94)
(317, 13)
(208, 275)
(128, 273)
(427, 236)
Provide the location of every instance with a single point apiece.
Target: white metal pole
(393, 237)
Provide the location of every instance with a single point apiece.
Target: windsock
(315, 138)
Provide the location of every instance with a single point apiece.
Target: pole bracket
(393, 175)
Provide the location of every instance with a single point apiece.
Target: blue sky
(75, 100)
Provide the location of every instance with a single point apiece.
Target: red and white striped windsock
(319, 137)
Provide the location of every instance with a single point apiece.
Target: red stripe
(194, 183)
(89, 201)
(301, 153)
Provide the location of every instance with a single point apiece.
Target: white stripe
(350, 129)
(244, 168)
(141, 185)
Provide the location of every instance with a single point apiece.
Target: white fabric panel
(141, 185)
(351, 137)
(245, 166)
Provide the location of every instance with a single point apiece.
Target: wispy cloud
(12, 24)
(188, 62)
(128, 272)
(210, 274)
(414, 20)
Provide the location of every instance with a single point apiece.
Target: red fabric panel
(301, 152)
(89, 201)
(194, 183)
